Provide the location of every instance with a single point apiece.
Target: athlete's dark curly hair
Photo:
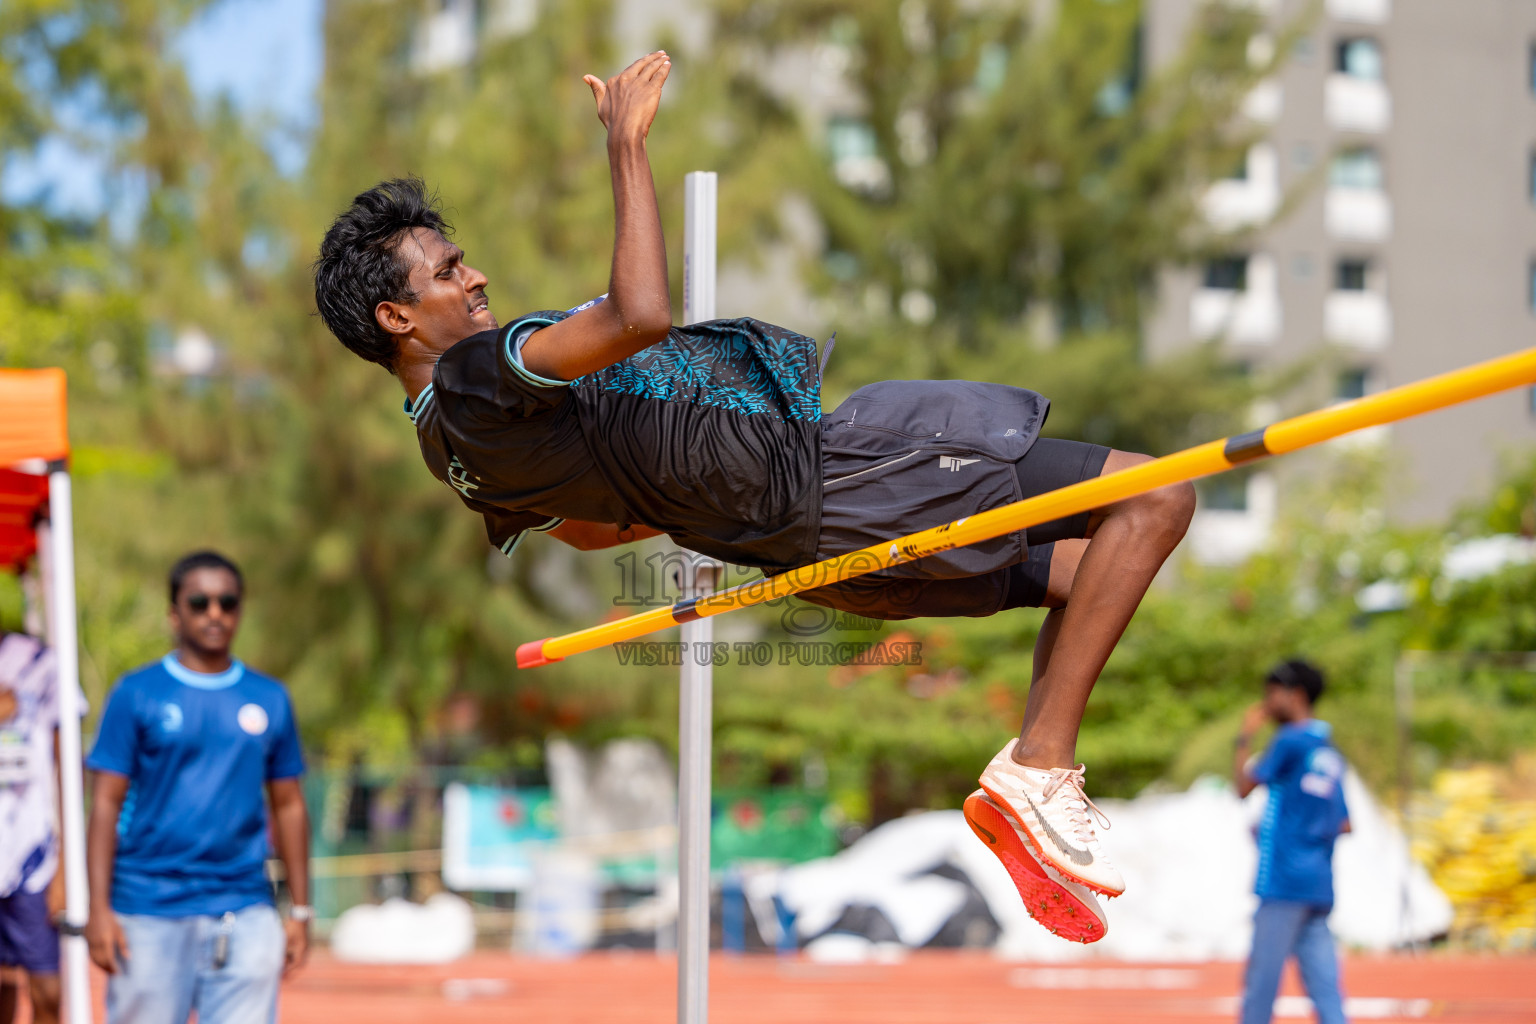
(360, 264)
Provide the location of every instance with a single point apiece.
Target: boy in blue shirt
(1304, 815)
(189, 752)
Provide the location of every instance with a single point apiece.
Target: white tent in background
(36, 522)
(1189, 860)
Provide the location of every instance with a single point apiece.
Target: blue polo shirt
(198, 750)
(1305, 776)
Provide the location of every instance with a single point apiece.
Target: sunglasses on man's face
(199, 603)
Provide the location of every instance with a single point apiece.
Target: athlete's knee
(1164, 512)
(1175, 507)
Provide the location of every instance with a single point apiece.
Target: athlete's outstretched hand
(627, 102)
(638, 312)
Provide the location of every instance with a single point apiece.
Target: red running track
(925, 988)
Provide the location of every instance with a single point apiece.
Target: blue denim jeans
(1282, 929)
(174, 967)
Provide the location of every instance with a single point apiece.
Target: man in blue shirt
(1304, 814)
(182, 915)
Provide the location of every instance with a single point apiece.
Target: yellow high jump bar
(1453, 388)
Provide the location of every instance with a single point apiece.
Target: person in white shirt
(31, 883)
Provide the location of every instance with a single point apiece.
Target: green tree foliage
(369, 587)
(56, 285)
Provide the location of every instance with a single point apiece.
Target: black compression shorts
(1050, 465)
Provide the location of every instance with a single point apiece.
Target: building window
(849, 139)
(1350, 276)
(1358, 58)
(1531, 70)
(1227, 274)
(1351, 385)
(1358, 168)
(1531, 286)
(991, 68)
(1530, 400)
(1531, 182)
(855, 153)
(1225, 492)
(1114, 97)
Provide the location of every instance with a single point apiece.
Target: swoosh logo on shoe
(1082, 858)
(991, 839)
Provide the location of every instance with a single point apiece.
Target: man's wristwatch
(301, 912)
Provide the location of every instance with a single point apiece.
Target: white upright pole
(695, 716)
(699, 205)
(59, 576)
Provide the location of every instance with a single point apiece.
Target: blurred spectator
(1305, 813)
(182, 914)
(31, 882)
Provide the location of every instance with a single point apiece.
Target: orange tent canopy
(33, 425)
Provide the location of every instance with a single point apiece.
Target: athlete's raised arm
(638, 312)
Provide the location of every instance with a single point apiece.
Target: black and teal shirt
(712, 436)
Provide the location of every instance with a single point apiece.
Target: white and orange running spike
(1062, 906)
(1056, 816)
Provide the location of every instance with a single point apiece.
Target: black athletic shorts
(869, 497)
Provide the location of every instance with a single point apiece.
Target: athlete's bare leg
(1095, 587)
(10, 990)
(46, 992)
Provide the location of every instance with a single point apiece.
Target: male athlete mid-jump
(606, 424)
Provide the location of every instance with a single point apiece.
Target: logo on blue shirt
(1325, 767)
(252, 718)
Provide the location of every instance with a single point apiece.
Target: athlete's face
(450, 301)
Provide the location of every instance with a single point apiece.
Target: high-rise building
(1407, 130)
